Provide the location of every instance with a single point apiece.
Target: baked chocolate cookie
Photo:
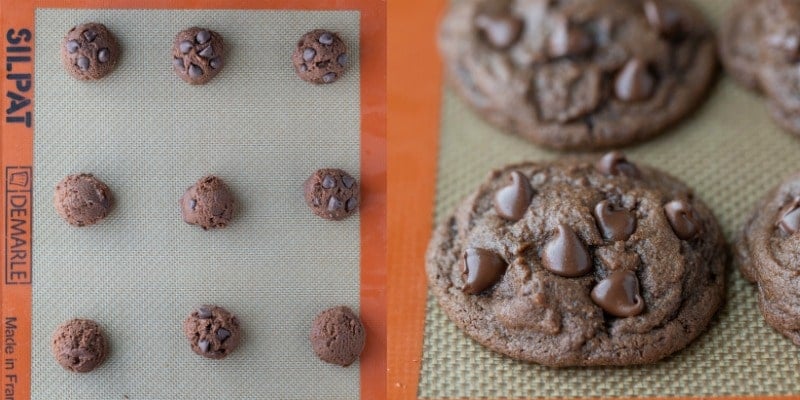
(213, 332)
(198, 55)
(760, 48)
(331, 193)
(320, 57)
(89, 51)
(208, 203)
(768, 253)
(579, 74)
(82, 199)
(580, 262)
(79, 345)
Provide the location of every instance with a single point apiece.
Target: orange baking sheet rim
(16, 158)
(413, 138)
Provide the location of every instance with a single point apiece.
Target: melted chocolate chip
(568, 40)
(615, 163)
(481, 270)
(635, 82)
(683, 219)
(615, 223)
(789, 219)
(565, 255)
(500, 31)
(618, 294)
(666, 20)
(512, 201)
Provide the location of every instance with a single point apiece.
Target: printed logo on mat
(18, 225)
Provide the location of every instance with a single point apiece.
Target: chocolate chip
(512, 201)
(223, 334)
(348, 181)
(615, 163)
(185, 46)
(83, 63)
(195, 71)
(618, 294)
(789, 219)
(72, 46)
(103, 55)
(203, 312)
(352, 203)
(329, 77)
(303, 68)
(203, 344)
(192, 204)
(326, 38)
(208, 52)
(342, 59)
(565, 255)
(634, 82)
(178, 62)
(90, 35)
(666, 20)
(215, 63)
(502, 31)
(481, 270)
(328, 182)
(203, 36)
(615, 223)
(567, 40)
(309, 53)
(683, 219)
(334, 204)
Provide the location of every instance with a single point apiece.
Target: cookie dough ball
(208, 203)
(320, 57)
(82, 199)
(197, 55)
(338, 336)
(79, 345)
(213, 332)
(332, 193)
(89, 51)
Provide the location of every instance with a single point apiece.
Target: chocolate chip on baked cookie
(197, 55)
(89, 51)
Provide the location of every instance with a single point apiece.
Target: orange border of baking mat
(16, 158)
(414, 101)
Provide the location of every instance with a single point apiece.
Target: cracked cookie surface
(609, 263)
(579, 74)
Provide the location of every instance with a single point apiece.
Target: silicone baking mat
(729, 151)
(149, 136)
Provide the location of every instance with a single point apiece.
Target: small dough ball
(198, 55)
(332, 193)
(213, 332)
(208, 203)
(82, 199)
(320, 57)
(89, 51)
(79, 345)
(337, 336)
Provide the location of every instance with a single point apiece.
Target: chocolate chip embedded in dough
(481, 270)
(565, 254)
(682, 218)
(501, 31)
(618, 294)
(513, 200)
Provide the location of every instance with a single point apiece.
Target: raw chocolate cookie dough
(197, 55)
(580, 262)
(579, 74)
(760, 47)
(768, 254)
(208, 203)
(79, 345)
(213, 332)
(82, 199)
(89, 51)
(332, 193)
(320, 57)
(337, 336)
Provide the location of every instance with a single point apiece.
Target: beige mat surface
(149, 136)
(731, 153)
